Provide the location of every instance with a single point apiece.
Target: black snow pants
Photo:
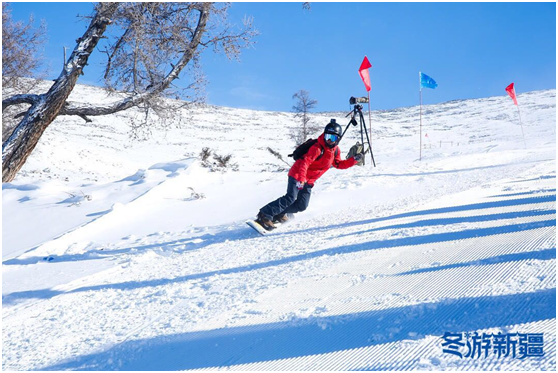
(294, 201)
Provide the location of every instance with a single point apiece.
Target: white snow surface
(126, 255)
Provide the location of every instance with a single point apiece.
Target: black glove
(358, 157)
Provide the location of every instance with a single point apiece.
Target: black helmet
(333, 128)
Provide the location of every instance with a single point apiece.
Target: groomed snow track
(368, 294)
(158, 271)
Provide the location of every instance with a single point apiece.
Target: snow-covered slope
(131, 255)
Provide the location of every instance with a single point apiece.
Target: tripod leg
(362, 142)
(363, 123)
(346, 128)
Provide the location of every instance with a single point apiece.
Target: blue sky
(470, 49)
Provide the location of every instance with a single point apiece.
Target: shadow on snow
(442, 210)
(546, 254)
(319, 335)
(459, 220)
(535, 192)
(186, 244)
(372, 245)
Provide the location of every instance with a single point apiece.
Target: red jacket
(307, 169)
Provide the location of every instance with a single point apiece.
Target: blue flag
(426, 81)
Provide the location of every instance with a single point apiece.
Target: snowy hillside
(123, 255)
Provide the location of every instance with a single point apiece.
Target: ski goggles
(331, 137)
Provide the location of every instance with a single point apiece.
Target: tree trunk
(47, 107)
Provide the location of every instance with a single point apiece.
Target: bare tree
(155, 43)
(302, 108)
(21, 47)
(21, 58)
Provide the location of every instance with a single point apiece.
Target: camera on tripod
(356, 113)
(358, 100)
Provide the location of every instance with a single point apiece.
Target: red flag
(511, 91)
(363, 72)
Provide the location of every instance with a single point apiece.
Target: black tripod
(357, 109)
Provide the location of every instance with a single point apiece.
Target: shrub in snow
(75, 199)
(205, 154)
(217, 162)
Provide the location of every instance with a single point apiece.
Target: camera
(358, 100)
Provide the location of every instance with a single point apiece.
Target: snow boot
(281, 218)
(265, 222)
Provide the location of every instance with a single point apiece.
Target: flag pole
(420, 131)
(520, 123)
(370, 124)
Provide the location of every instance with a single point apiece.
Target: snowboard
(258, 228)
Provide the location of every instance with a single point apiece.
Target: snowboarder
(303, 174)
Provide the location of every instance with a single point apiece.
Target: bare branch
(20, 99)
(110, 56)
(20, 115)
